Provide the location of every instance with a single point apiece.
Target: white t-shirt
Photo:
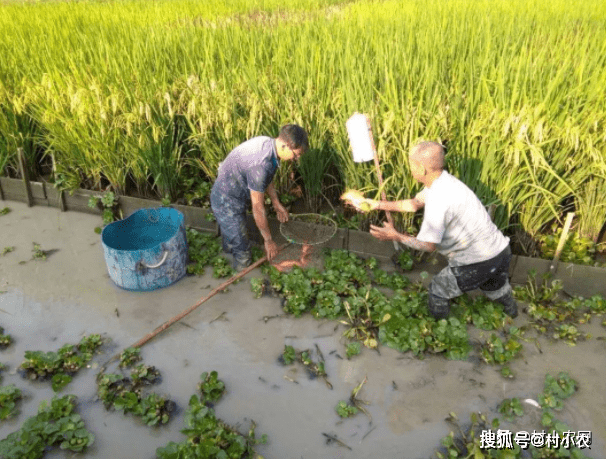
(457, 222)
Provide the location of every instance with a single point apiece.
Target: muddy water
(48, 304)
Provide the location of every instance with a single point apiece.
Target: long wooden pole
(180, 316)
(378, 168)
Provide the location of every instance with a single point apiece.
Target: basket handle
(141, 264)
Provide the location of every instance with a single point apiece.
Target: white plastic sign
(359, 138)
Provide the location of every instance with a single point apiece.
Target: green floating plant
(5, 339)
(577, 249)
(345, 410)
(59, 381)
(497, 351)
(289, 355)
(59, 365)
(203, 251)
(109, 204)
(209, 437)
(257, 286)
(510, 408)
(352, 349)
(125, 395)
(56, 424)
(130, 356)
(211, 387)
(38, 253)
(9, 396)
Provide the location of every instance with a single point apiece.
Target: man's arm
(406, 205)
(258, 208)
(281, 211)
(273, 195)
(415, 244)
(388, 233)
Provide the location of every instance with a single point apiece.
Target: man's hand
(271, 249)
(281, 212)
(385, 233)
(359, 202)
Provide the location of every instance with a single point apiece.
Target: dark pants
(490, 276)
(231, 218)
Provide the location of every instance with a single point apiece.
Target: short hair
(294, 136)
(432, 154)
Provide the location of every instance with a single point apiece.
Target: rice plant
(130, 89)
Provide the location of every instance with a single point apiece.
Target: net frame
(321, 229)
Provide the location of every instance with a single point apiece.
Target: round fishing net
(308, 229)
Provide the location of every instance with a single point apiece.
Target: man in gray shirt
(457, 225)
(243, 177)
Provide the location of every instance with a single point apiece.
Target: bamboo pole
(378, 168)
(25, 176)
(202, 300)
(561, 242)
(396, 246)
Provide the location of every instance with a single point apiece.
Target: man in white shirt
(457, 225)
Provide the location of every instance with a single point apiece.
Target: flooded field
(46, 304)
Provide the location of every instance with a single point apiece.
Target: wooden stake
(62, 204)
(561, 242)
(25, 175)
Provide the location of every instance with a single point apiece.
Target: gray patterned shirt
(250, 166)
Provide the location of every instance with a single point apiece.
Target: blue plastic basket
(147, 250)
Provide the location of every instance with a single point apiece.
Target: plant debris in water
(38, 253)
(7, 250)
(56, 424)
(479, 439)
(62, 364)
(314, 369)
(207, 436)
(351, 408)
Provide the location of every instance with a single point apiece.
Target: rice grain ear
(519, 110)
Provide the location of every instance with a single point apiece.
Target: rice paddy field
(148, 97)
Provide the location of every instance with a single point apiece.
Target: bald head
(430, 155)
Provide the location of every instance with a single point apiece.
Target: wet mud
(46, 304)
